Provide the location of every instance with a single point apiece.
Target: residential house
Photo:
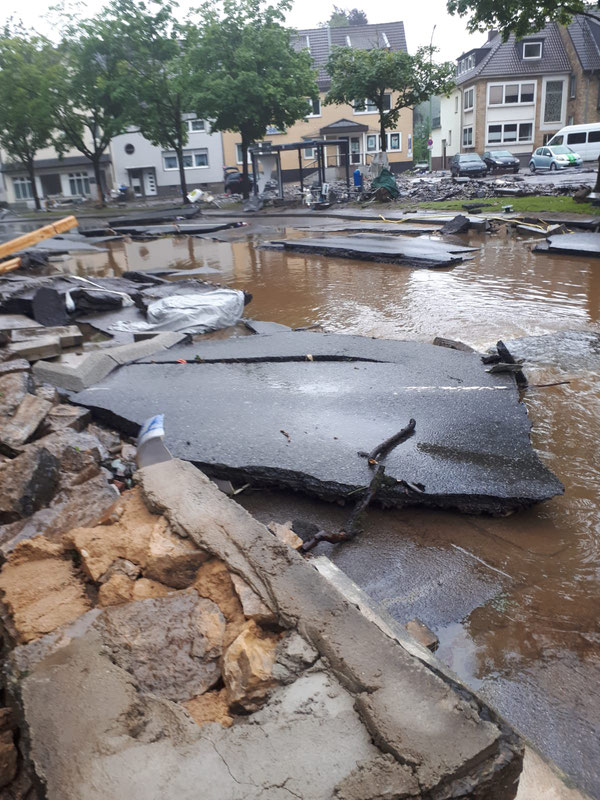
(517, 94)
(358, 124)
(150, 171)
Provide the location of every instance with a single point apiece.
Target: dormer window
(532, 50)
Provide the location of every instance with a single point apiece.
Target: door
(150, 182)
(51, 184)
(355, 154)
(135, 181)
(544, 159)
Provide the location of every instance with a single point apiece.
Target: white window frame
(555, 124)
(79, 180)
(503, 139)
(533, 44)
(196, 130)
(464, 143)
(312, 115)
(504, 84)
(273, 130)
(22, 187)
(389, 141)
(365, 101)
(372, 149)
(377, 137)
(238, 154)
(467, 92)
(308, 154)
(192, 153)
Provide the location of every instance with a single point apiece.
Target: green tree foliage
(357, 16)
(518, 16)
(247, 73)
(155, 80)
(357, 75)
(343, 18)
(90, 102)
(28, 71)
(421, 133)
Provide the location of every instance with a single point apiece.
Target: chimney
(492, 34)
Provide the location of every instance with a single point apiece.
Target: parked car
(553, 158)
(467, 164)
(501, 159)
(585, 138)
(233, 180)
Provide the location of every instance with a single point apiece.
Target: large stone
(252, 606)
(116, 590)
(214, 581)
(28, 417)
(171, 645)
(210, 707)
(14, 365)
(248, 667)
(13, 388)
(40, 590)
(28, 482)
(67, 416)
(172, 560)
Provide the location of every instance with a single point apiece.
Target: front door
(51, 184)
(150, 182)
(355, 154)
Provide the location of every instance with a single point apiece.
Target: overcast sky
(450, 34)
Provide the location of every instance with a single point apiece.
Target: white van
(583, 139)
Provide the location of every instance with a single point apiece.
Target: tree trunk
(31, 171)
(245, 174)
(182, 180)
(98, 177)
(382, 132)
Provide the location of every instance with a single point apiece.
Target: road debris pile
(323, 398)
(181, 643)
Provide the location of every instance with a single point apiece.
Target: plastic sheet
(192, 313)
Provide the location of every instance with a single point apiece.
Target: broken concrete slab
(460, 224)
(92, 367)
(154, 217)
(176, 230)
(324, 398)
(48, 307)
(68, 335)
(23, 424)
(578, 244)
(36, 348)
(12, 322)
(14, 365)
(400, 250)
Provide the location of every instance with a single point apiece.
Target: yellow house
(359, 125)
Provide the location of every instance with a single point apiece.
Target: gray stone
(48, 392)
(13, 388)
(28, 482)
(460, 224)
(68, 335)
(14, 365)
(26, 420)
(383, 778)
(67, 416)
(293, 656)
(170, 645)
(36, 348)
(422, 634)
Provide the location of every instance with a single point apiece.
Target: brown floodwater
(514, 601)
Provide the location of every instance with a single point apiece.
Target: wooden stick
(29, 239)
(384, 448)
(7, 266)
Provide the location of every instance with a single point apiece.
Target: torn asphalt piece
(577, 244)
(401, 250)
(227, 403)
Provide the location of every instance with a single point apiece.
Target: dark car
(501, 159)
(233, 180)
(467, 164)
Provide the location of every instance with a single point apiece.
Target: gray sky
(450, 34)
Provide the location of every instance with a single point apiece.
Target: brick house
(517, 94)
(359, 124)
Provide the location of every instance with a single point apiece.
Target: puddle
(514, 600)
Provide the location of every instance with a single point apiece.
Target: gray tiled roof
(585, 35)
(505, 58)
(362, 37)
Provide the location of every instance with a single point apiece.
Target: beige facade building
(358, 124)
(516, 95)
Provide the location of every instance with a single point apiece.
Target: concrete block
(68, 335)
(91, 370)
(132, 352)
(11, 322)
(34, 349)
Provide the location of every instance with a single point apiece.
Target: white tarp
(190, 313)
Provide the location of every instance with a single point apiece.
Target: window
(468, 136)
(309, 153)
(273, 130)
(469, 99)
(456, 104)
(367, 106)
(129, 149)
(573, 86)
(576, 138)
(371, 142)
(394, 141)
(449, 139)
(465, 64)
(238, 155)
(546, 138)
(553, 102)
(594, 136)
(558, 140)
(314, 107)
(509, 133)
(191, 159)
(79, 183)
(532, 50)
(511, 93)
(23, 188)
(196, 125)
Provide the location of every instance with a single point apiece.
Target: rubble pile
(430, 189)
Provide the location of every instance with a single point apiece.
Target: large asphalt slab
(294, 409)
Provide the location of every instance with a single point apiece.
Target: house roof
(505, 59)
(54, 163)
(585, 35)
(321, 41)
(344, 126)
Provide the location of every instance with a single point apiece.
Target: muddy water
(514, 601)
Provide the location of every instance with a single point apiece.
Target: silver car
(556, 157)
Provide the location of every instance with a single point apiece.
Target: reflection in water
(529, 642)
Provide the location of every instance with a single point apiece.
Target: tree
(422, 130)
(359, 75)
(343, 18)
(28, 70)
(90, 101)
(248, 74)
(155, 79)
